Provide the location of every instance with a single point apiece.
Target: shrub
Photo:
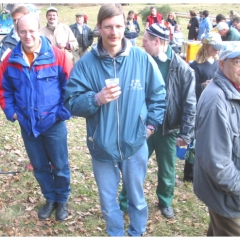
(164, 10)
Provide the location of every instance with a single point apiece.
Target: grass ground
(20, 196)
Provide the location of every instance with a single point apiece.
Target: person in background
(135, 17)
(170, 23)
(59, 34)
(11, 39)
(228, 33)
(219, 18)
(200, 17)
(85, 17)
(217, 167)
(179, 121)
(204, 66)
(205, 25)
(178, 125)
(154, 17)
(116, 134)
(83, 34)
(232, 14)
(32, 85)
(192, 26)
(236, 23)
(132, 29)
(178, 37)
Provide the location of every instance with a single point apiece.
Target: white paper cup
(111, 80)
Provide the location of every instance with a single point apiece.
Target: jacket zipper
(118, 119)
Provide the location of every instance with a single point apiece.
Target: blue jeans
(107, 176)
(50, 148)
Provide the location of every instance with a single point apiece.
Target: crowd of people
(49, 74)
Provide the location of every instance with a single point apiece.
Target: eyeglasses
(236, 62)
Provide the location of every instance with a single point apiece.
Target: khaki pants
(222, 226)
(78, 54)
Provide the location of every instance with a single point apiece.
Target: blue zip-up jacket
(204, 27)
(35, 93)
(116, 130)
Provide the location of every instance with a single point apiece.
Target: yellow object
(192, 49)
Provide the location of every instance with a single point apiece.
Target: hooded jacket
(217, 154)
(116, 130)
(35, 93)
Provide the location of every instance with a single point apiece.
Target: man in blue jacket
(120, 116)
(32, 86)
(205, 25)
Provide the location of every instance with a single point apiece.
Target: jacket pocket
(173, 113)
(236, 147)
(232, 202)
(48, 87)
(15, 77)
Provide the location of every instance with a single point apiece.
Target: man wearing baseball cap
(178, 125)
(217, 154)
(59, 34)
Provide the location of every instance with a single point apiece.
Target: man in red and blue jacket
(32, 88)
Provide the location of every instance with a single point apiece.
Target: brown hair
(20, 9)
(192, 13)
(110, 10)
(152, 7)
(202, 54)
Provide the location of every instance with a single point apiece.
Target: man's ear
(221, 64)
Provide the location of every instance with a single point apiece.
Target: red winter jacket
(150, 19)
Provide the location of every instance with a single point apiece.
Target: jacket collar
(226, 85)
(46, 52)
(100, 52)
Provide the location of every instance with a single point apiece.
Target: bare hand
(109, 93)
(181, 142)
(61, 45)
(206, 83)
(15, 116)
(149, 133)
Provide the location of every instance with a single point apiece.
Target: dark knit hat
(160, 31)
